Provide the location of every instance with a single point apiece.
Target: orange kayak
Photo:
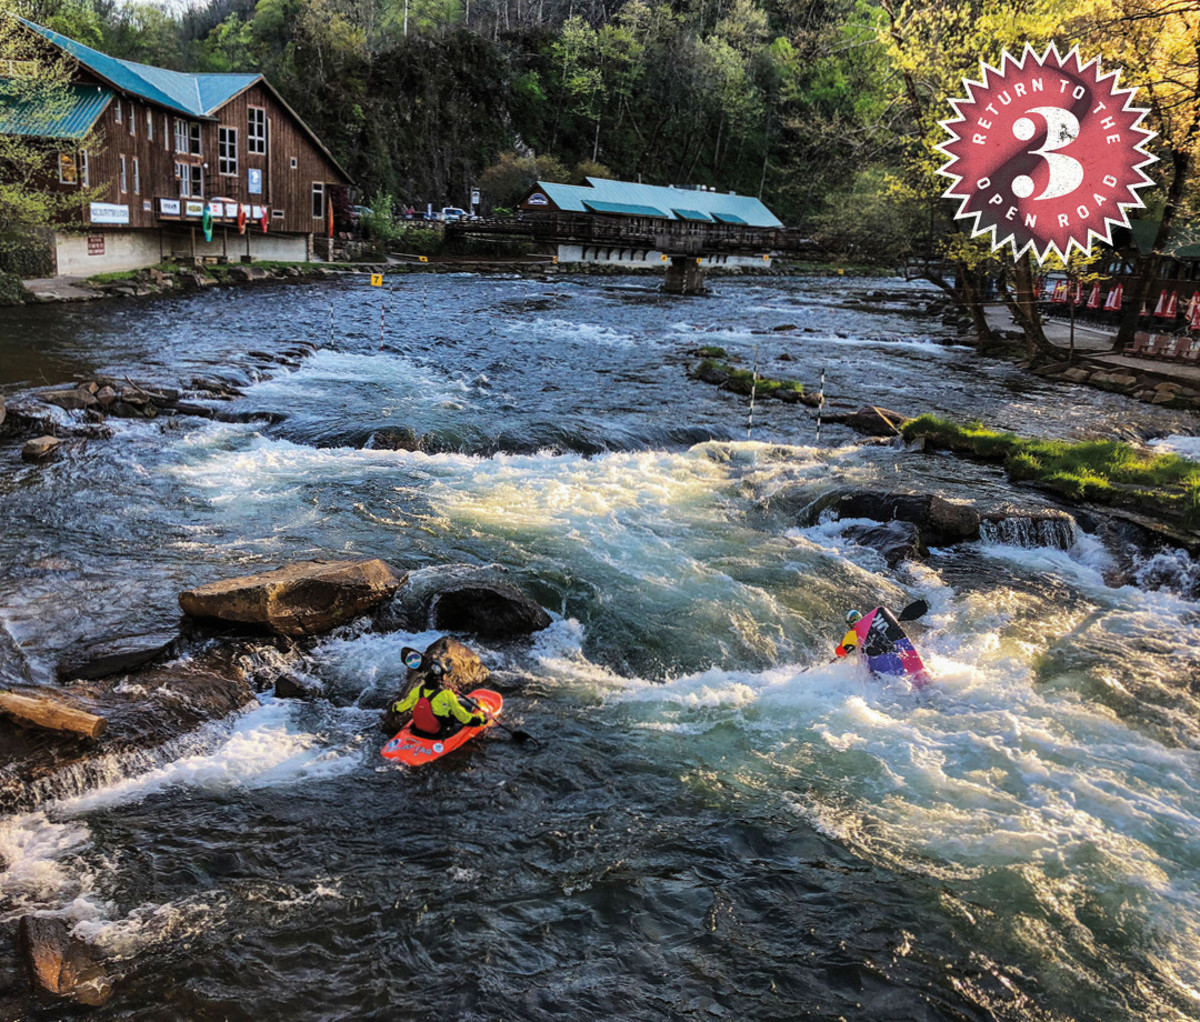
(413, 750)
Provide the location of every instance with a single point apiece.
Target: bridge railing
(672, 237)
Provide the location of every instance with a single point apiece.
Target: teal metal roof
(579, 198)
(71, 117)
(194, 94)
(628, 208)
(691, 214)
(728, 218)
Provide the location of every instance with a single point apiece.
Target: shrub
(12, 291)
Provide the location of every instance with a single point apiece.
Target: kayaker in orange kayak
(436, 709)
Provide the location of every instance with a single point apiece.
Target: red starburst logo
(1046, 153)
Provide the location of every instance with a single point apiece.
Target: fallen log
(50, 714)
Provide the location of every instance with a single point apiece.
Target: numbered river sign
(1046, 153)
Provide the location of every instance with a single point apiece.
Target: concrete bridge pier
(684, 276)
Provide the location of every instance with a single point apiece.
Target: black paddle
(518, 736)
(916, 609)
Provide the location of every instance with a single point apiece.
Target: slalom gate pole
(331, 323)
(753, 389)
(381, 308)
(821, 406)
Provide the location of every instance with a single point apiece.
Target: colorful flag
(1172, 306)
(1160, 310)
(1093, 301)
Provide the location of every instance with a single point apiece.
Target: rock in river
(60, 964)
(301, 599)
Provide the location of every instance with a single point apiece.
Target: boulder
(709, 372)
(2, 411)
(463, 671)
(71, 400)
(301, 599)
(941, 522)
(288, 686)
(106, 396)
(493, 610)
(872, 420)
(465, 598)
(107, 657)
(896, 541)
(39, 448)
(60, 964)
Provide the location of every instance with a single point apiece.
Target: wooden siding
(285, 189)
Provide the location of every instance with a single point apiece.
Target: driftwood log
(51, 714)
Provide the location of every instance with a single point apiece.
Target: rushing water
(717, 823)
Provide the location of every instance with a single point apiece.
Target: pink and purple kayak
(887, 649)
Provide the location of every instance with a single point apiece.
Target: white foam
(263, 749)
(1185, 446)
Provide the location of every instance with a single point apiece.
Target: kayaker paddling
(885, 646)
(437, 711)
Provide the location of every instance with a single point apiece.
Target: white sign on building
(169, 207)
(109, 213)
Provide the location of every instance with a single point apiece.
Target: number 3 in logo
(1066, 173)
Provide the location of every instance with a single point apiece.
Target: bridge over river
(683, 246)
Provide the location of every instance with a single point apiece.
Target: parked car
(358, 212)
(452, 213)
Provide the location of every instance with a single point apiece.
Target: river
(717, 822)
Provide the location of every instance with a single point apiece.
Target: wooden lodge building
(177, 154)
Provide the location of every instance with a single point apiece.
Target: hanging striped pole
(331, 324)
(381, 308)
(821, 404)
(753, 389)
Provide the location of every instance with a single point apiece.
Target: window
(191, 181)
(66, 169)
(187, 137)
(227, 154)
(318, 203)
(256, 131)
(85, 169)
(117, 114)
(124, 180)
(295, 163)
(132, 119)
(137, 178)
(149, 124)
(166, 133)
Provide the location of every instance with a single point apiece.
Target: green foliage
(1101, 470)
(12, 291)
(507, 180)
(866, 218)
(381, 223)
(40, 86)
(26, 253)
(712, 351)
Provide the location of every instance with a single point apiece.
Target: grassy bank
(1104, 471)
